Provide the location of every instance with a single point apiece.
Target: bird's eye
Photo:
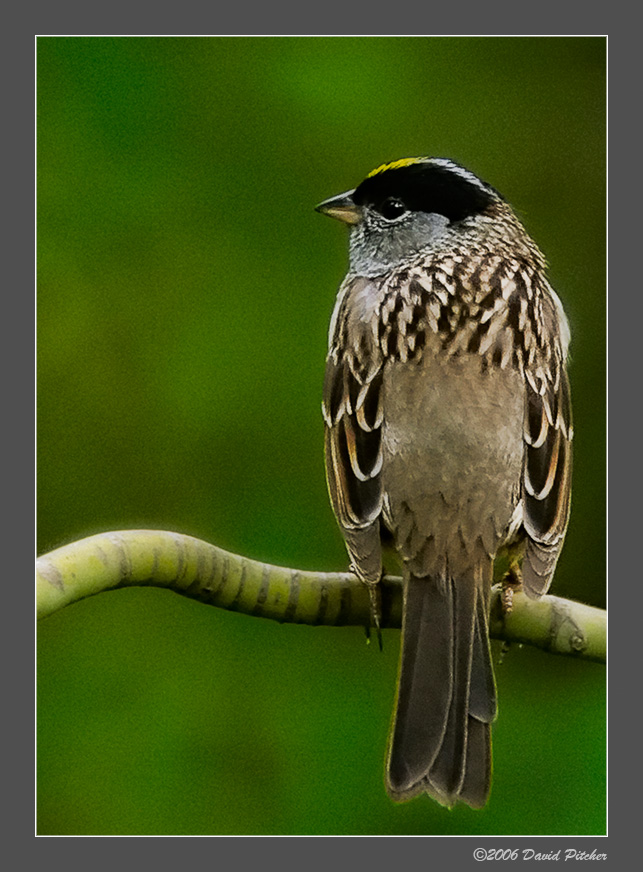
(391, 208)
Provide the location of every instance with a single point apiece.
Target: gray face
(378, 245)
(409, 208)
(414, 208)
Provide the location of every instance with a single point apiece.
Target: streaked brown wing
(353, 418)
(546, 475)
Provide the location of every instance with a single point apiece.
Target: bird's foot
(511, 583)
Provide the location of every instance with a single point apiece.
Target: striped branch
(196, 569)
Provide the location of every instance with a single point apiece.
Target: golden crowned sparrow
(448, 423)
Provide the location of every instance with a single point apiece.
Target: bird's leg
(375, 595)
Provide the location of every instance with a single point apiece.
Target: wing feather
(547, 472)
(352, 410)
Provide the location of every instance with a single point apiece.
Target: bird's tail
(440, 740)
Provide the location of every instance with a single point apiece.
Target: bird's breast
(452, 450)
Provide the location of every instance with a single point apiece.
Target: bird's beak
(342, 207)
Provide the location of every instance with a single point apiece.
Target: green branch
(189, 566)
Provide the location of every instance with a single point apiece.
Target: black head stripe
(426, 187)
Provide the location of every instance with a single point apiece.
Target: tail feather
(477, 775)
(482, 690)
(447, 772)
(418, 730)
(440, 739)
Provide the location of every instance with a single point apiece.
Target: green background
(185, 290)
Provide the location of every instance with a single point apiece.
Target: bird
(448, 431)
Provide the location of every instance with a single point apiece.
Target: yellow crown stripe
(396, 164)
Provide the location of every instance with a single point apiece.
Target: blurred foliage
(185, 290)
